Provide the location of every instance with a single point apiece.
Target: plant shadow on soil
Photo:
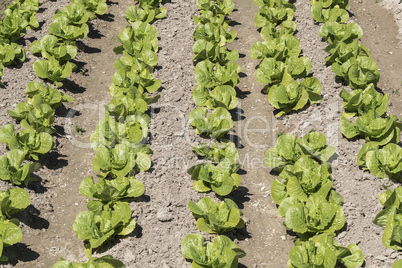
(19, 252)
(30, 217)
(95, 33)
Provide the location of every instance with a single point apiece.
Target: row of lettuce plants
(351, 62)
(216, 75)
(304, 191)
(34, 139)
(120, 138)
(18, 17)
(280, 60)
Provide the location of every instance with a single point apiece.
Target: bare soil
(162, 215)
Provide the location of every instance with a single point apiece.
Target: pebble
(164, 216)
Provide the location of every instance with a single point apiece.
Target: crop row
(351, 62)
(35, 116)
(18, 17)
(304, 191)
(216, 75)
(280, 61)
(120, 138)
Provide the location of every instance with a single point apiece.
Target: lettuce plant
(38, 94)
(106, 261)
(129, 131)
(133, 72)
(289, 149)
(332, 11)
(11, 53)
(217, 7)
(120, 161)
(271, 30)
(10, 234)
(268, 14)
(216, 218)
(357, 72)
(215, 34)
(76, 14)
(386, 163)
(27, 9)
(32, 143)
(12, 171)
(341, 52)
(221, 96)
(212, 51)
(360, 102)
(302, 179)
(373, 128)
(322, 251)
(390, 218)
(39, 118)
(124, 106)
(12, 26)
(140, 36)
(221, 178)
(53, 71)
(315, 216)
(221, 253)
(217, 125)
(98, 7)
(110, 191)
(280, 49)
(212, 75)
(291, 95)
(12, 201)
(334, 32)
(216, 153)
(64, 30)
(98, 227)
(49, 46)
(134, 14)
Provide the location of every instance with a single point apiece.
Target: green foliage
(216, 153)
(397, 264)
(221, 253)
(39, 118)
(38, 94)
(32, 143)
(216, 218)
(302, 179)
(341, 52)
(289, 149)
(384, 163)
(50, 47)
(331, 11)
(98, 7)
(103, 262)
(121, 161)
(360, 102)
(216, 7)
(373, 127)
(212, 75)
(315, 216)
(221, 178)
(111, 191)
(134, 72)
(322, 251)
(134, 14)
(102, 223)
(11, 53)
(221, 96)
(291, 95)
(216, 126)
(214, 52)
(334, 32)
(12, 201)
(390, 218)
(10, 234)
(53, 71)
(215, 34)
(279, 48)
(12, 171)
(270, 14)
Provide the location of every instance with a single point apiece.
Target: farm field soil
(162, 215)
